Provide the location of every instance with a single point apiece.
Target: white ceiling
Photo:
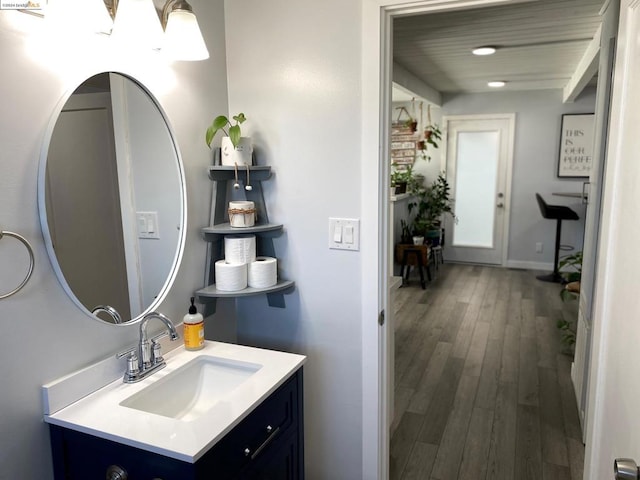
(540, 45)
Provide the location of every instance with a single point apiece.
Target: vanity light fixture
(182, 36)
(484, 50)
(76, 16)
(176, 32)
(136, 23)
(497, 84)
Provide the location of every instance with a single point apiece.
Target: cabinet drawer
(273, 419)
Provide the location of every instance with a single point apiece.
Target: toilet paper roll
(263, 272)
(242, 214)
(230, 277)
(240, 248)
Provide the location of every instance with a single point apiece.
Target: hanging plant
(432, 135)
(410, 122)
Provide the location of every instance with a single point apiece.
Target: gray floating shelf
(223, 173)
(227, 229)
(211, 292)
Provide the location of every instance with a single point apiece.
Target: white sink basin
(193, 389)
(218, 385)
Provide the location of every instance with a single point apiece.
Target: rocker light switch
(337, 234)
(348, 234)
(344, 233)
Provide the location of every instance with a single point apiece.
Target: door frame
(377, 59)
(511, 119)
(601, 383)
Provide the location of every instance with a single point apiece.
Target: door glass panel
(475, 189)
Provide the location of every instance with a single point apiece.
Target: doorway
(479, 157)
(377, 27)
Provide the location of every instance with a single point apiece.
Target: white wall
(45, 335)
(537, 137)
(294, 70)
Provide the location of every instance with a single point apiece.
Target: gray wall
(45, 335)
(537, 137)
(304, 116)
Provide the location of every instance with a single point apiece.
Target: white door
(87, 235)
(613, 423)
(580, 368)
(478, 168)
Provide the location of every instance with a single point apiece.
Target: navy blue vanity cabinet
(267, 444)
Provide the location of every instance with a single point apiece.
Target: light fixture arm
(172, 6)
(112, 7)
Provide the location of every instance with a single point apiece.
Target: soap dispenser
(193, 333)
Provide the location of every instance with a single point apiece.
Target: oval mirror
(111, 196)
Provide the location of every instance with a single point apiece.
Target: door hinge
(381, 318)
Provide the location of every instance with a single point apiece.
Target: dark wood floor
(483, 390)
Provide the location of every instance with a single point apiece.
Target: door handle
(500, 205)
(625, 469)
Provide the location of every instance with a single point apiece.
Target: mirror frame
(42, 209)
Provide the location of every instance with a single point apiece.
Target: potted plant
(430, 204)
(401, 178)
(571, 270)
(432, 134)
(236, 149)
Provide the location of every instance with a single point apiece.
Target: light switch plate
(147, 223)
(349, 237)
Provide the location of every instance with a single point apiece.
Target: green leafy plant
(570, 267)
(233, 130)
(430, 204)
(401, 176)
(432, 135)
(568, 330)
(405, 235)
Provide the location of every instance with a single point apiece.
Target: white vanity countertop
(101, 414)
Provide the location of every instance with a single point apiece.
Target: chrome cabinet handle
(272, 434)
(625, 469)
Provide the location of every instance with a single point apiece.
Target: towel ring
(31, 263)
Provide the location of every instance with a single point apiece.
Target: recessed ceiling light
(484, 51)
(497, 84)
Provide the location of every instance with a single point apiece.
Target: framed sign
(576, 145)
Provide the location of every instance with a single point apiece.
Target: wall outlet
(539, 247)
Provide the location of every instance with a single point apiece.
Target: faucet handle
(129, 351)
(156, 351)
(133, 367)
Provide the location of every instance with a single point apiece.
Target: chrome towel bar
(31, 263)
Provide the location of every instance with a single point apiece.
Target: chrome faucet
(146, 357)
(117, 319)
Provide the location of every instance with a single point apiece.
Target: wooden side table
(408, 255)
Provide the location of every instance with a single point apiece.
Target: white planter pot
(241, 155)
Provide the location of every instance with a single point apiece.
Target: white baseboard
(530, 265)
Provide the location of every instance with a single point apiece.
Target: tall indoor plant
(430, 205)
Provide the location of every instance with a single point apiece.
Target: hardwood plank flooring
(483, 388)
